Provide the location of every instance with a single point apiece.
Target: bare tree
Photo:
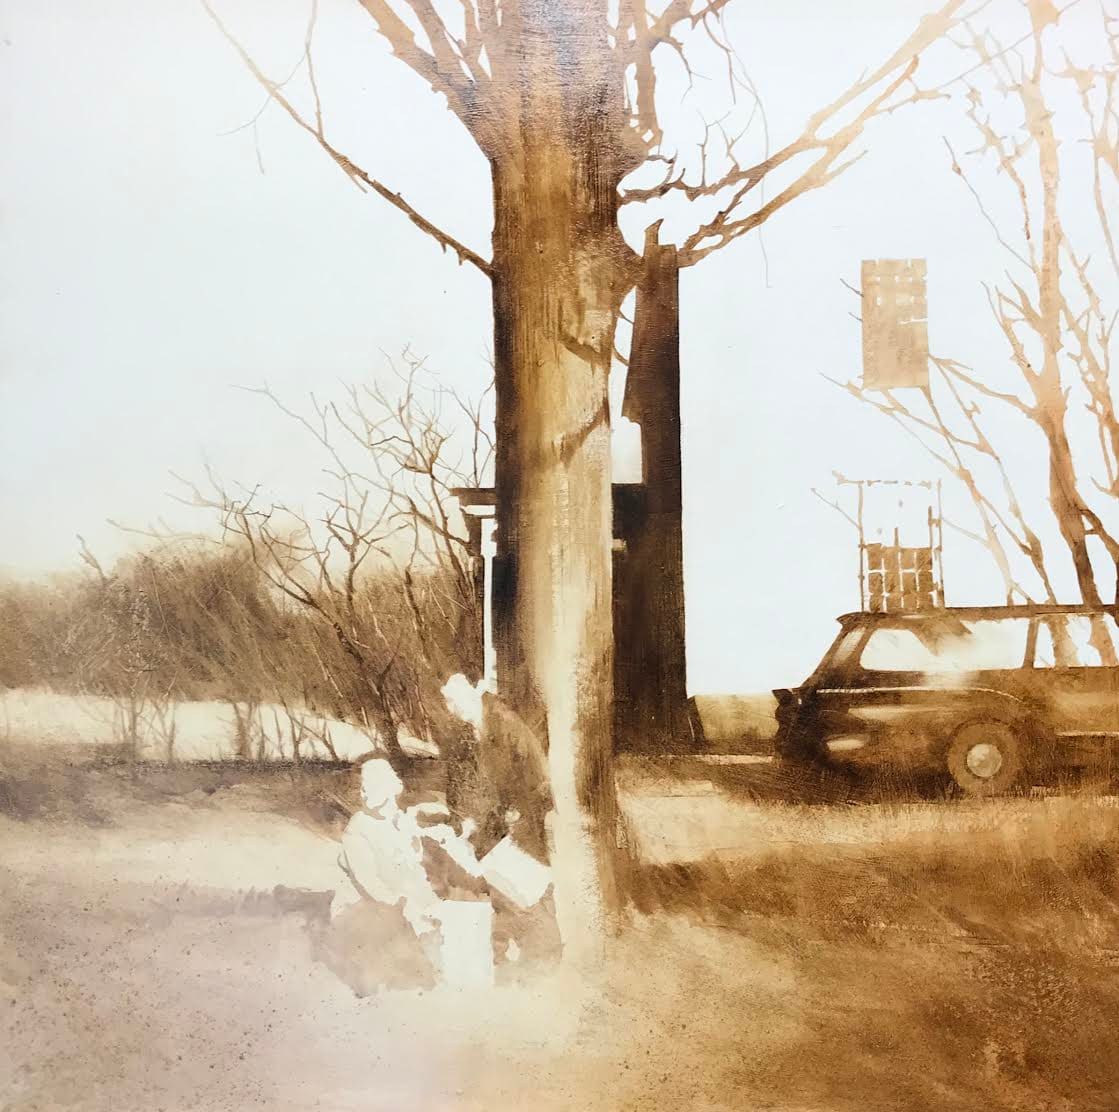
(1052, 309)
(304, 729)
(287, 550)
(385, 566)
(219, 626)
(561, 99)
(114, 645)
(163, 727)
(133, 654)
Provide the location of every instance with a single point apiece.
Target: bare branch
(957, 169)
(837, 507)
(355, 173)
(959, 371)
(444, 69)
(739, 181)
(88, 558)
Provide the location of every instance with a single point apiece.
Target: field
(793, 947)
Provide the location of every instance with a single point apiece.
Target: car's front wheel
(986, 758)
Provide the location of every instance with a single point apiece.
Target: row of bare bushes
(355, 608)
(197, 623)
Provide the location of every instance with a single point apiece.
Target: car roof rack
(1023, 610)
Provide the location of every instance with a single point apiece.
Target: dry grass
(738, 723)
(908, 954)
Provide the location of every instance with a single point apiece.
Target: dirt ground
(793, 948)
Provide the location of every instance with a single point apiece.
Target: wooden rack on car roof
(896, 576)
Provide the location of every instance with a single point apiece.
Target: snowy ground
(203, 730)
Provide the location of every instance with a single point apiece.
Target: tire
(986, 758)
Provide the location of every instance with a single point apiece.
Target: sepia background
(181, 725)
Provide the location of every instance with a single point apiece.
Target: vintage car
(993, 696)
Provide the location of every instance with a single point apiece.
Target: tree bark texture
(560, 269)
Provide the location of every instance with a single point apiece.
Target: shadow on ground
(839, 953)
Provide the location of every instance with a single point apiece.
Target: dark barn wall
(650, 674)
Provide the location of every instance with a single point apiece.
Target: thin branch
(957, 370)
(837, 507)
(355, 173)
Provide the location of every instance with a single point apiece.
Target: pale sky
(150, 264)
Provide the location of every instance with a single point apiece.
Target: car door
(867, 703)
(919, 679)
(1076, 670)
(832, 693)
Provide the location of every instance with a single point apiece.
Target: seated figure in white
(419, 871)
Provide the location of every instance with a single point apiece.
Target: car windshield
(947, 646)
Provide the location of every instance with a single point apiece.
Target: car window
(841, 651)
(956, 646)
(1076, 641)
(844, 647)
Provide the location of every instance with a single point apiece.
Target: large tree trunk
(1067, 503)
(559, 267)
(1064, 497)
(1052, 406)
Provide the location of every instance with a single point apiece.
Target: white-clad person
(386, 855)
(383, 931)
(382, 854)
